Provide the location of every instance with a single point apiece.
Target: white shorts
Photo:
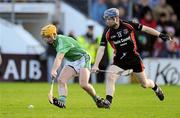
(78, 64)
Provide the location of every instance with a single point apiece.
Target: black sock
(155, 87)
(109, 98)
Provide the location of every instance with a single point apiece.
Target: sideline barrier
(23, 68)
(162, 70)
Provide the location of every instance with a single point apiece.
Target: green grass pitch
(130, 101)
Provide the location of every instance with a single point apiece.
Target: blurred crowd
(27, 0)
(153, 13)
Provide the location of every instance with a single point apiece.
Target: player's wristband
(164, 37)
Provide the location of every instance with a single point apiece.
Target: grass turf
(130, 101)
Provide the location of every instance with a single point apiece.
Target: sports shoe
(58, 103)
(106, 104)
(159, 93)
(99, 102)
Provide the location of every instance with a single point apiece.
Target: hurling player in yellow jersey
(78, 64)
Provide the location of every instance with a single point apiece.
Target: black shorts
(130, 61)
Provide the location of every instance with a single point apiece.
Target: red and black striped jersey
(122, 39)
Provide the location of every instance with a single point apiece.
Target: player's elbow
(145, 29)
(60, 56)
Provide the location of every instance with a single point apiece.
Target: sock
(95, 98)
(62, 98)
(155, 87)
(109, 98)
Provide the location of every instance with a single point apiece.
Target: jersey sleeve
(136, 26)
(103, 39)
(64, 46)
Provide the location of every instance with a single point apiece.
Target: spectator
(88, 42)
(162, 23)
(57, 24)
(140, 8)
(98, 9)
(113, 3)
(145, 44)
(72, 34)
(136, 11)
(148, 20)
(159, 48)
(172, 46)
(122, 13)
(153, 3)
(143, 7)
(165, 8)
(124, 4)
(145, 41)
(175, 23)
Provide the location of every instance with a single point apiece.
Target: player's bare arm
(99, 56)
(57, 63)
(156, 33)
(150, 30)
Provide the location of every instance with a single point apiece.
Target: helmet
(48, 30)
(112, 12)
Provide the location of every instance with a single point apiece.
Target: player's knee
(83, 85)
(61, 81)
(110, 77)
